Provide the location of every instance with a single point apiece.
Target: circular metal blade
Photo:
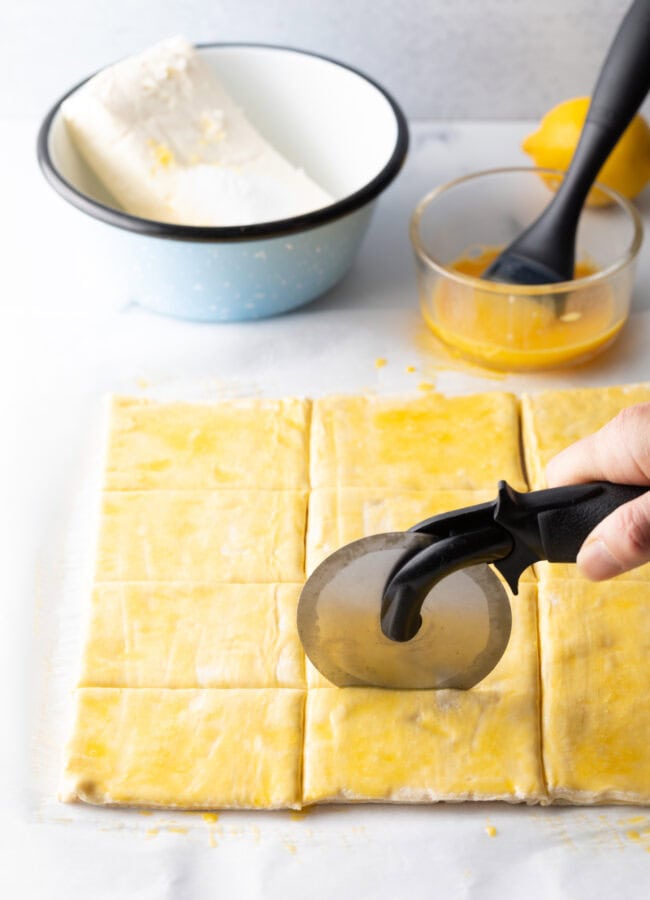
(466, 620)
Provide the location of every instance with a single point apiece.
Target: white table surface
(66, 339)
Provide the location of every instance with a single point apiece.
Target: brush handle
(622, 85)
(624, 79)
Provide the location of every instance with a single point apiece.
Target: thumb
(618, 543)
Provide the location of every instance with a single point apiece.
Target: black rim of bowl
(276, 228)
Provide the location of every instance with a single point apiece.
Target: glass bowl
(521, 327)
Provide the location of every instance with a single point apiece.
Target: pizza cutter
(423, 608)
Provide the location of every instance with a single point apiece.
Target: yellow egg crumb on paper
(491, 831)
(380, 362)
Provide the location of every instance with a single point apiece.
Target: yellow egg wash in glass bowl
(521, 332)
(457, 231)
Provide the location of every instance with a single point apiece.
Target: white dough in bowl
(171, 145)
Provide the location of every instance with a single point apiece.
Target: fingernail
(597, 562)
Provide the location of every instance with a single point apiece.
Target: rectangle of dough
(420, 746)
(431, 442)
(190, 749)
(339, 516)
(595, 668)
(182, 635)
(551, 420)
(248, 443)
(244, 536)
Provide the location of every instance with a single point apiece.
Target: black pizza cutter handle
(512, 532)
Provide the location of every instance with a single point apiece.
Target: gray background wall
(441, 58)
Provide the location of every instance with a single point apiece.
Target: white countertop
(66, 339)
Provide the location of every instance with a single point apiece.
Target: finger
(619, 543)
(619, 452)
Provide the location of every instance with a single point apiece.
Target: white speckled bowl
(336, 123)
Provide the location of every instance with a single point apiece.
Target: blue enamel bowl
(343, 128)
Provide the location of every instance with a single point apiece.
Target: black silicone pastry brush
(545, 252)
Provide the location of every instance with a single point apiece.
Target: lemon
(628, 168)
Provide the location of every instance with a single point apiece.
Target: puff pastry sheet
(194, 690)
(552, 420)
(431, 442)
(206, 446)
(181, 635)
(595, 665)
(194, 749)
(368, 744)
(238, 536)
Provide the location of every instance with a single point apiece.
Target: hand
(619, 452)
